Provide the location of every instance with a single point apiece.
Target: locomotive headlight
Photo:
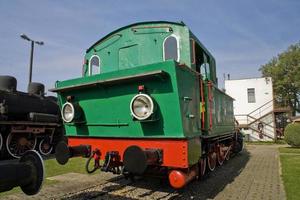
(141, 106)
(68, 112)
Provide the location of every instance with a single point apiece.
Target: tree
(285, 72)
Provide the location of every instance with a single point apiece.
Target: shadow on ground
(208, 188)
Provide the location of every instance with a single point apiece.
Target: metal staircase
(261, 121)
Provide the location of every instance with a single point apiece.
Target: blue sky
(241, 35)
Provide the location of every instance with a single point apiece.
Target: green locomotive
(148, 103)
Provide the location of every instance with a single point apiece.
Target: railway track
(108, 186)
(151, 188)
(121, 188)
(252, 174)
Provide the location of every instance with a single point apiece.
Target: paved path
(252, 174)
(260, 179)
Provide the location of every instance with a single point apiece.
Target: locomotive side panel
(219, 118)
(188, 94)
(223, 118)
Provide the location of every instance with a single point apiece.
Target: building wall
(238, 89)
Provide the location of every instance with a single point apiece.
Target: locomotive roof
(152, 22)
(179, 29)
(131, 25)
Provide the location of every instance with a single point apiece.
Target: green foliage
(292, 134)
(285, 72)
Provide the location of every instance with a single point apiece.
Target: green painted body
(137, 51)
(222, 113)
(107, 112)
(137, 45)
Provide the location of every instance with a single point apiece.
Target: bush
(292, 134)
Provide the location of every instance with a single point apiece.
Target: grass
(74, 165)
(290, 164)
(52, 168)
(259, 142)
(266, 142)
(18, 189)
(281, 141)
(289, 150)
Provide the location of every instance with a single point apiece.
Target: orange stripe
(175, 152)
(202, 104)
(210, 99)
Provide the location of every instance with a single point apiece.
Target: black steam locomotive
(27, 120)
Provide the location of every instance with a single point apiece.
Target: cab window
(204, 70)
(171, 48)
(94, 65)
(202, 62)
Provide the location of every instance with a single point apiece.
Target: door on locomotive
(201, 65)
(216, 109)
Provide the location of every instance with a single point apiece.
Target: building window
(171, 50)
(251, 95)
(94, 65)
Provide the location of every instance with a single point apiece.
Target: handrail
(264, 123)
(261, 106)
(264, 134)
(257, 119)
(249, 119)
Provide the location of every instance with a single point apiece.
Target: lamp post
(25, 37)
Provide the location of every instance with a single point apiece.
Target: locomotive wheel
(212, 160)
(202, 166)
(18, 143)
(228, 155)
(45, 148)
(238, 143)
(1, 142)
(221, 154)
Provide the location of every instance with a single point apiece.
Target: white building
(254, 107)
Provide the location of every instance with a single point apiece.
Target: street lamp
(25, 37)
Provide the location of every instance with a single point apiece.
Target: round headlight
(68, 112)
(141, 106)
